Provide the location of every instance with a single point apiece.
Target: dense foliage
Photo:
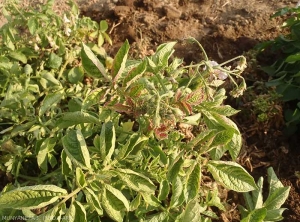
(88, 137)
(285, 71)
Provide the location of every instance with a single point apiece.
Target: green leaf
(110, 207)
(54, 61)
(50, 79)
(80, 213)
(75, 75)
(118, 194)
(93, 200)
(151, 200)
(18, 56)
(66, 164)
(234, 146)
(45, 148)
(107, 141)
(47, 216)
(293, 58)
(222, 138)
(135, 74)
(136, 181)
(91, 63)
(274, 182)
(225, 110)
(76, 148)
(174, 169)
(257, 195)
(103, 26)
(164, 190)
(80, 178)
(277, 198)
(192, 185)
(177, 193)
(257, 215)
(74, 118)
(275, 215)
(131, 143)
(50, 101)
(32, 197)
(159, 217)
(191, 213)
(32, 24)
(120, 59)
(135, 203)
(231, 175)
(94, 97)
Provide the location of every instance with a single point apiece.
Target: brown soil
(226, 28)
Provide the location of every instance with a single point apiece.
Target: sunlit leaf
(32, 197)
(76, 148)
(231, 175)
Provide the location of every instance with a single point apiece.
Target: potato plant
(87, 137)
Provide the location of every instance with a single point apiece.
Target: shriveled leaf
(76, 148)
(32, 197)
(231, 175)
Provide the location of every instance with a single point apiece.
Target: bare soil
(226, 28)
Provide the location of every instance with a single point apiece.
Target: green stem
(70, 195)
(61, 71)
(202, 49)
(161, 82)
